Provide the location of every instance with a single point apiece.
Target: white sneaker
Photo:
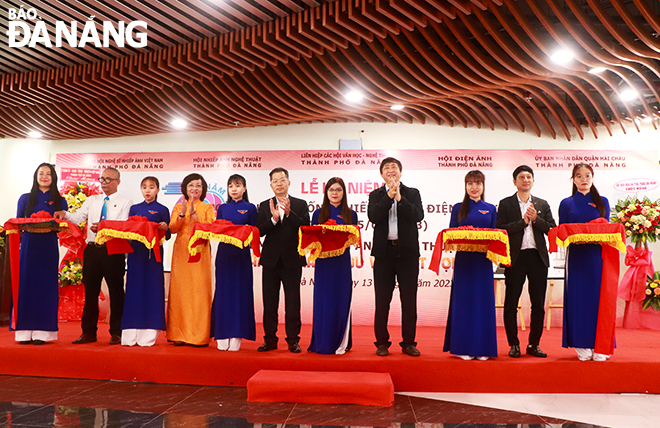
(482, 358)
(465, 357)
(601, 357)
(235, 343)
(223, 344)
(584, 354)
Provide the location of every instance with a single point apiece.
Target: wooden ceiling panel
(234, 63)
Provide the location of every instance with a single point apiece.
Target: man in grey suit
(526, 219)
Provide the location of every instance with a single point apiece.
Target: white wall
(18, 160)
(374, 136)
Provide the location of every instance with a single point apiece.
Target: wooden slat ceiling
(243, 63)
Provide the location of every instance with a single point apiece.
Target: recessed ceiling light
(35, 134)
(628, 95)
(597, 70)
(397, 107)
(562, 56)
(179, 123)
(647, 119)
(354, 96)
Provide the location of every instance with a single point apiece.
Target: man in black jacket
(526, 219)
(395, 210)
(279, 219)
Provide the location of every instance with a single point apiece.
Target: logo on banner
(635, 185)
(21, 34)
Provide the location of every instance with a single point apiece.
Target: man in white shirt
(526, 219)
(98, 264)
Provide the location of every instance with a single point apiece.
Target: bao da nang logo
(21, 34)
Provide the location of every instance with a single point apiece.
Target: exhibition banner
(438, 174)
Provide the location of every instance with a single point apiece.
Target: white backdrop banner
(438, 174)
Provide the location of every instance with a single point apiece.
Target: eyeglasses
(106, 180)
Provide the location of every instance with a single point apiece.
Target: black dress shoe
(515, 351)
(295, 348)
(267, 347)
(25, 342)
(382, 351)
(179, 343)
(38, 342)
(84, 338)
(412, 351)
(201, 345)
(535, 351)
(115, 339)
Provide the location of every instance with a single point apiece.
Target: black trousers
(529, 265)
(387, 270)
(98, 265)
(290, 280)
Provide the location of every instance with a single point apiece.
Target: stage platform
(632, 369)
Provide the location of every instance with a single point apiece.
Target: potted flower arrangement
(641, 219)
(640, 285)
(652, 299)
(72, 293)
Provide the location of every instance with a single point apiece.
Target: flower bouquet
(76, 193)
(639, 218)
(71, 273)
(652, 299)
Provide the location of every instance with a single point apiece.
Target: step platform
(363, 388)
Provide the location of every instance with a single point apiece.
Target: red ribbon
(633, 283)
(39, 222)
(494, 246)
(220, 228)
(322, 240)
(137, 225)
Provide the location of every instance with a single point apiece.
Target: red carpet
(631, 369)
(366, 389)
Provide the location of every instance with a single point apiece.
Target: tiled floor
(47, 402)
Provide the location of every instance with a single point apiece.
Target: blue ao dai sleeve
(453, 222)
(252, 215)
(22, 204)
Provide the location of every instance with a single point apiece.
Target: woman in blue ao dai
(471, 329)
(144, 304)
(38, 289)
(232, 315)
(584, 265)
(333, 281)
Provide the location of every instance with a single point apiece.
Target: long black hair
(324, 214)
(34, 192)
(479, 177)
(595, 196)
(238, 179)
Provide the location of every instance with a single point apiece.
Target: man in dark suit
(526, 219)
(279, 219)
(395, 210)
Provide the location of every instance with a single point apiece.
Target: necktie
(104, 210)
